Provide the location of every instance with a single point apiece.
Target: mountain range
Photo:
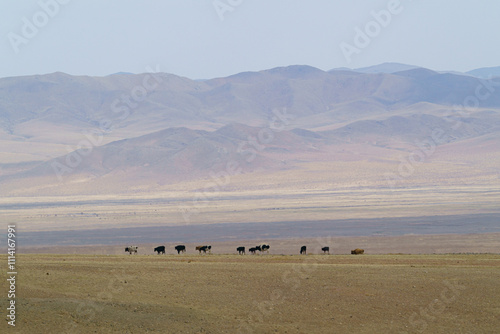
(156, 129)
(483, 72)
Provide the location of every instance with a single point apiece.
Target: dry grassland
(257, 294)
(264, 205)
(309, 191)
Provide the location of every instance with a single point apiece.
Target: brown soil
(256, 294)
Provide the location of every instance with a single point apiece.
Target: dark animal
(357, 251)
(303, 250)
(326, 250)
(180, 248)
(264, 248)
(252, 250)
(204, 249)
(160, 250)
(131, 249)
(240, 250)
(258, 248)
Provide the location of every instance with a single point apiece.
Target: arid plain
(257, 294)
(386, 162)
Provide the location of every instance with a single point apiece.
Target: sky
(202, 39)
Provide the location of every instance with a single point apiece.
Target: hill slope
(128, 130)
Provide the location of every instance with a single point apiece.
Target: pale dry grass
(257, 294)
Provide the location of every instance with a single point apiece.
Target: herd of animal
(241, 250)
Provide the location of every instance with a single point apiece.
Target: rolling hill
(157, 129)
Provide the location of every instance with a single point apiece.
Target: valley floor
(256, 294)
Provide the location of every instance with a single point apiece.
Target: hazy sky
(207, 38)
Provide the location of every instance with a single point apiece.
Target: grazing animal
(180, 248)
(264, 248)
(252, 250)
(326, 250)
(204, 249)
(131, 249)
(160, 250)
(357, 251)
(258, 248)
(303, 250)
(240, 250)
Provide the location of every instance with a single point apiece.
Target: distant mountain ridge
(304, 90)
(386, 68)
(483, 72)
(158, 126)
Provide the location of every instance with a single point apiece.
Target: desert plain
(431, 262)
(389, 162)
(268, 293)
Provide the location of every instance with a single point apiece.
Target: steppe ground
(269, 293)
(313, 192)
(272, 293)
